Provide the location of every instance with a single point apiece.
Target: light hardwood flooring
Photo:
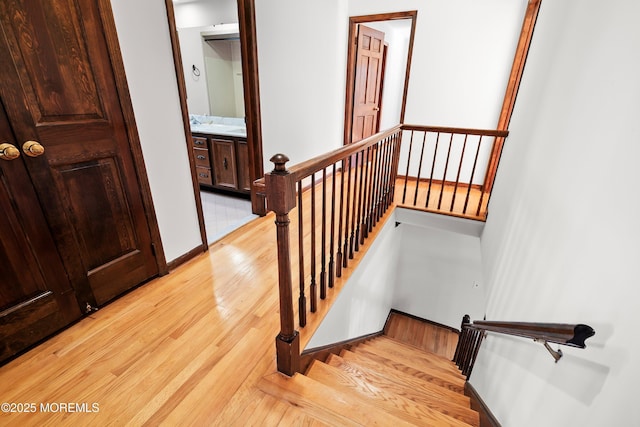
(441, 198)
(188, 348)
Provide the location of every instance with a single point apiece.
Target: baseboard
(420, 319)
(487, 419)
(186, 257)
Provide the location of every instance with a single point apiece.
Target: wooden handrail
(573, 335)
(472, 334)
(315, 164)
(349, 190)
(341, 214)
(441, 129)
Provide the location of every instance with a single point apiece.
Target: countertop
(215, 125)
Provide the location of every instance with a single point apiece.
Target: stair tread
(392, 379)
(382, 364)
(326, 404)
(388, 400)
(401, 347)
(397, 342)
(416, 363)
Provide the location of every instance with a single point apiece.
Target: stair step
(437, 398)
(399, 346)
(381, 364)
(414, 362)
(388, 400)
(326, 404)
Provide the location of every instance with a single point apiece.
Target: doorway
(221, 107)
(377, 83)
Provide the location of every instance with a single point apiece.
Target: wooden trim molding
(182, 94)
(351, 63)
(251, 86)
(115, 55)
(185, 257)
(487, 419)
(420, 319)
(517, 69)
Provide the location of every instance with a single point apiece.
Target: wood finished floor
(189, 348)
(185, 349)
(446, 199)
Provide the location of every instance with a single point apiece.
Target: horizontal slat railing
(444, 169)
(339, 197)
(472, 334)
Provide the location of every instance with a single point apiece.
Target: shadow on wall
(579, 378)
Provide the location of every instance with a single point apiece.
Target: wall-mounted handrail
(572, 335)
(472, 335)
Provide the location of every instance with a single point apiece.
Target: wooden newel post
(281, 198)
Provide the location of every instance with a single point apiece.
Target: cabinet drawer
(204, 175)
(224, 163)
(202, 157)
(199, 142)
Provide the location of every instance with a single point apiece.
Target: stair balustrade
(446, 169)
(341, 196)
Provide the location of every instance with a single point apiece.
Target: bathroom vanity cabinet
(222, 162)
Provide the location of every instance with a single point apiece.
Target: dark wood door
(58, 87)
(368, 82)
(36, 297)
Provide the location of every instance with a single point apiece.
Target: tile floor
(223, 214)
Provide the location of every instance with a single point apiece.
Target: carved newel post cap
(279, 160)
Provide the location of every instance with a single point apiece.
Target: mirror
(223, 69)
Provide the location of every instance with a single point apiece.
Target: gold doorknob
(33, 148)
(8, 152)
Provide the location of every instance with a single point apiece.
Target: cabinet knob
(200, 157)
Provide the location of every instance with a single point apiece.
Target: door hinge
(153, 250)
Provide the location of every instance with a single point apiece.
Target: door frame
(251, 88)
(351, 62)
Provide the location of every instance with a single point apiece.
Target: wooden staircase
(381, 382)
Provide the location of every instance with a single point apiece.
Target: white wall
(191, 47)
(205, 12)
(462, 57)
(439, 272)
(561, 241)
(397, 35)
(463, 51)
(148, 63)
(427, 266)
(365, 302)
(302, 63)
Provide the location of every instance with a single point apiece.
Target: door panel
(368, 81)
(36, 298)
(75, 229)
(59, 89)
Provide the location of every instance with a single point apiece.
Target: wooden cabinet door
(224, 164)
(58, 86)
(244, 182)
